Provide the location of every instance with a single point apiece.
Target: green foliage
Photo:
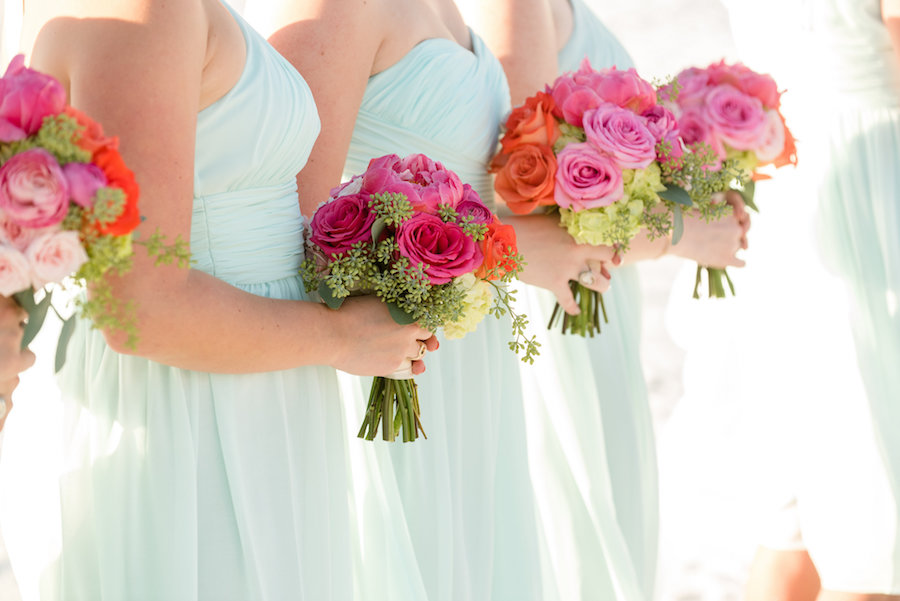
(503, 304)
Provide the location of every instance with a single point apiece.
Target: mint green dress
(590, 434)
(179, 485)
(464, 525)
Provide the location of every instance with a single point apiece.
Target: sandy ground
(697, 563)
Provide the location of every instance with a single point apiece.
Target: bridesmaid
(590, 435)
(408, 76)
(13, 358)
(209, 462)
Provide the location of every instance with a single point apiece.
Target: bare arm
(521, 33)
(143, 70)
(13, 360)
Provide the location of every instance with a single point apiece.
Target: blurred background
(706, 540)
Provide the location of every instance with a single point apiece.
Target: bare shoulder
(353, 23)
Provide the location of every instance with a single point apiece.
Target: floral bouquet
(410, 232)
(601, 149)
(734, 111)
(68, 206)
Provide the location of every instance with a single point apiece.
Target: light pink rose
(33, 190)
(586, 178)
(15, 235)
(621, 134)
(444, 248)
(26, 97)
(55, 256)
(14, 272)
(771, 143)
(736, 118)
(84, 180)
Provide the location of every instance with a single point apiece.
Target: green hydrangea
(614, 225)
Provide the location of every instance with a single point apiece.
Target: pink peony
(735, 117)
(621, 134)
(84, 180)
(14, 272)
(54, 257)
(762, 87)
(339, 224)
(625, 89)
(384, 180)
(440, 187)
(26, 97)
(586, 178)
(33, 190)
(472, 206)
(444, 248)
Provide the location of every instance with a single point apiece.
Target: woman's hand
(13, 360)
(553, 258)
(716, 243)
(371, 343)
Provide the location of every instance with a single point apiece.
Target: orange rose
(119, 176)
(532, 123)
(788, 156)
(92, 138)
(526, 177)
(499, 248)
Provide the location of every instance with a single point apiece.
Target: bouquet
(599, 148)
(410, 232)
(734, 111)
(68, 206)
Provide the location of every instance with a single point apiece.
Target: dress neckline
(420, 46)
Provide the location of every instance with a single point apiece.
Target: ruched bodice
(440, 99)
(246, 226)
(590, 38)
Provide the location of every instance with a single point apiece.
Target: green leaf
(677, 225)
(748, 192)
(329, 298)
(677, 195)
(400, 316)
(68, 328)
(377, 229)
(36, 314)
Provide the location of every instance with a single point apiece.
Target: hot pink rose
(26, 97)
(84, 180)
(54, 257)
(472, 206)
(622, 134)
(586, 178)
(771, 143)
(14, 272)
(444, 248)
(735, 117)
(33, 190)
(339, 224)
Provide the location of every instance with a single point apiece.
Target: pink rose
(573, 99)
(54, 257)
(444, 248)
(693, 86)
(660, 121)
(771, 143)
(472, 206)
(14, 272)
(33, 190)
(339, 224)
(672, 152)
(735, 117)
(84, 180)
(381, 180)
(622, 134)
(586, 178)
(695, 129)
(26, 97)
